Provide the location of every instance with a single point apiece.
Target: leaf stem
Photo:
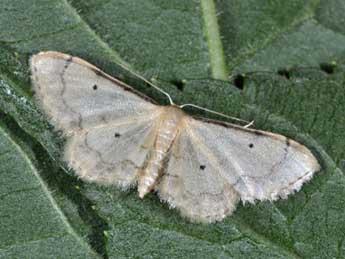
(215, 46)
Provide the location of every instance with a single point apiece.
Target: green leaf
(32, 224)
(279, 63)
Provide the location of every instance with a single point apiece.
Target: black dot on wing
(251, 145)
(202, 167)
(94, 87)
(117, 135)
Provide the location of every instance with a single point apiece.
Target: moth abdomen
(152, 170)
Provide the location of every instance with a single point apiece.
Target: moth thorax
(168, 128)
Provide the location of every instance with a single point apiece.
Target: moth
(118, 136)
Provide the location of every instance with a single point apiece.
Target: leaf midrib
(215, 45)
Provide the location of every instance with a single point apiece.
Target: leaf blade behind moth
(237, 25)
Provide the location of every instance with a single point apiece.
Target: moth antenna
(249, 123)
(147, 82)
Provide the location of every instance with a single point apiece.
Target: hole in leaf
(179, 84)
(239, 81)
(328, 67)
(284, 72)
